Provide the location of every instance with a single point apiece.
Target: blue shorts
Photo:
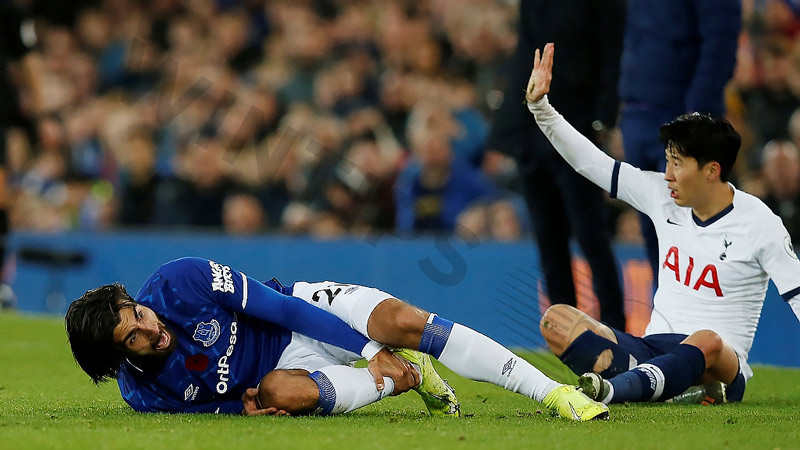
(648, 347)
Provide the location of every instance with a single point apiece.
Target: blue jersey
(230, 331)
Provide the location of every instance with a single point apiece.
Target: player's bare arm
(252, 407)
(387, 364)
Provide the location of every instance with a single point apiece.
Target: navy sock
(327, 393)
(735, 391)
(660, 378)
(435, 335)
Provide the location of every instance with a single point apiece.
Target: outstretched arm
(576, 149)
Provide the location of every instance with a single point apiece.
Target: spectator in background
(781, 172)
(139, 181)
(498, 219)
(242, 214)
(562, 203)
(437, 185)
(361, 192)
(220, 80)
(677, 58)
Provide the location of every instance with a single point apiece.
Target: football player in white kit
(719, 247)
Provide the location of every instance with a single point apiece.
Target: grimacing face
(142, 334)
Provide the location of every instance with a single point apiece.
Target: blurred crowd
(323, 117)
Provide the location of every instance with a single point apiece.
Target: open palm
(541, 75)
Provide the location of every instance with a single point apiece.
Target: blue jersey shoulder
(220, 351)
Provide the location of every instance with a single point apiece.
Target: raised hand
(541, 75)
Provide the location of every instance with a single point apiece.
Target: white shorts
(350, 302)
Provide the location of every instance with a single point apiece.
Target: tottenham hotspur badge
(727, 244)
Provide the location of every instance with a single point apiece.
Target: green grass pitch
(47, 402)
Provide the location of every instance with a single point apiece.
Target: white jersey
(712, 275)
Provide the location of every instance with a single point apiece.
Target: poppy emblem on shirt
(197, 363)
(207, 332)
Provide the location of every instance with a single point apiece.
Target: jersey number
(329, 292)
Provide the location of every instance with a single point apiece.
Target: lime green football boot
(439, 397)
(571, 403)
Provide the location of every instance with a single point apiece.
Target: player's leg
(550, 225)
(722, 364)
(330, 390)
(291, 390)
(583, 343)
(354, 304)
(587, 211)
(474, 356)
(465, 351)
(316, 378)
(699, 358)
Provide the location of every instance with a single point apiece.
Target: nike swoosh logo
(575, 414)
(669, 221)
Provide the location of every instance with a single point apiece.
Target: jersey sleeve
(239, 293)
(163, 406)
(777, 257)
(221, 407)
(639, 188)
(144, 399)
(620, 180)
(794, 303)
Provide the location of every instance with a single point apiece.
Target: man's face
(685, 179)
(142, 334)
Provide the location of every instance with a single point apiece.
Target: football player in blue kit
(200, 336)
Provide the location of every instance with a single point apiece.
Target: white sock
(477, 357)
(349, 388)
(610, 394)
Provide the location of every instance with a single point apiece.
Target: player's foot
(439, 397)
(570, 403)
(705, 394)
(594, 386)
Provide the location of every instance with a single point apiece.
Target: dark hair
(705, 138)
(90, 323)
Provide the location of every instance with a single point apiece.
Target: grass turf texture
(46, 401)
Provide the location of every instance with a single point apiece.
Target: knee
(397, 324)
(709, 342)
(548, 325)
(558, 313)
(293, 392)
